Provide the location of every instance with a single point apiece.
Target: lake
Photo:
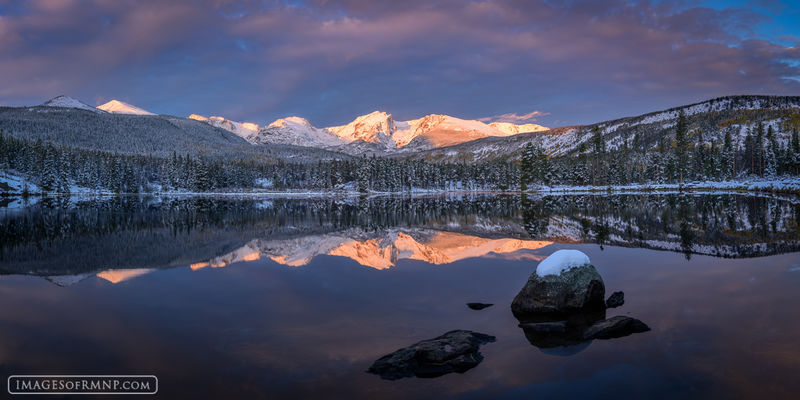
(296, 298)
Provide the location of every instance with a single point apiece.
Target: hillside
(157, 135)
(709, 120)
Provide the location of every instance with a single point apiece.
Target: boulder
(615, 327)
(479, 306)
(572, 290)
(455, 351)
(615, 300)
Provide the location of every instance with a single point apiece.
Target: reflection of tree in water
(535, 216)
(686, 216)
(723, 225)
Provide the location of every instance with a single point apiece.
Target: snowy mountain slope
(513, 129)
(295, 131)
(244, 130)
(69, 102)
(375, 127)
(119, 107)
(443, 130)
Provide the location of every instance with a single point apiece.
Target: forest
(676, 158)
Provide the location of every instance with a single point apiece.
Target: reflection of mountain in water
(377, 250)
(68, 241)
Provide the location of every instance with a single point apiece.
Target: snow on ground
(560, 261)
(777, 184)
(15, 184)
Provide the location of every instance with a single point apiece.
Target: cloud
(515, 118)
(329, 60)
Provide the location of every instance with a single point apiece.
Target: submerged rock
(573, 290)
(455, 351)
(615, 327)
(544, 327)
(615, 300)
(479, 306)
(547, 334)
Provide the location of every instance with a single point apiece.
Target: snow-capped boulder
(564, 283)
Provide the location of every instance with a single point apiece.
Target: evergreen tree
(682, 160)
(526, 167)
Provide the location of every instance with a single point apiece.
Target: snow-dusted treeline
(680, 157)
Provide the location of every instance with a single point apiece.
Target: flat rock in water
(615, 327)
(615, 300)
(544, 327)
(479, 306)
(455, 351)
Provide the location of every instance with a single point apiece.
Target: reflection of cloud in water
(380, 250)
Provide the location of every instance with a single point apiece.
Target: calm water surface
(297, 298)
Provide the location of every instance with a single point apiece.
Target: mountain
(244, 130)
(295, 131)
(708, 120)
(119, 107)
(376, 132)
(376, 127)
(69, 102)
(157, 135)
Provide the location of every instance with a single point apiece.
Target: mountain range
(378, 131)
(122, 127)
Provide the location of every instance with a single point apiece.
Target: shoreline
(782, 186)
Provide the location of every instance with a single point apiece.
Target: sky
(551, 62)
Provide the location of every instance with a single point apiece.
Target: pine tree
(795, 151)
(599, 156)
(682, 148)
(770, 154)
(728, 160)
(526, 167)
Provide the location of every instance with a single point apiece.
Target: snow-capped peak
(291, 122)
(375, 127)
(69, 102)
(120, 107)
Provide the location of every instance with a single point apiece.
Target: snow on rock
(119, 107)
(560, 261)
(69, 102)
